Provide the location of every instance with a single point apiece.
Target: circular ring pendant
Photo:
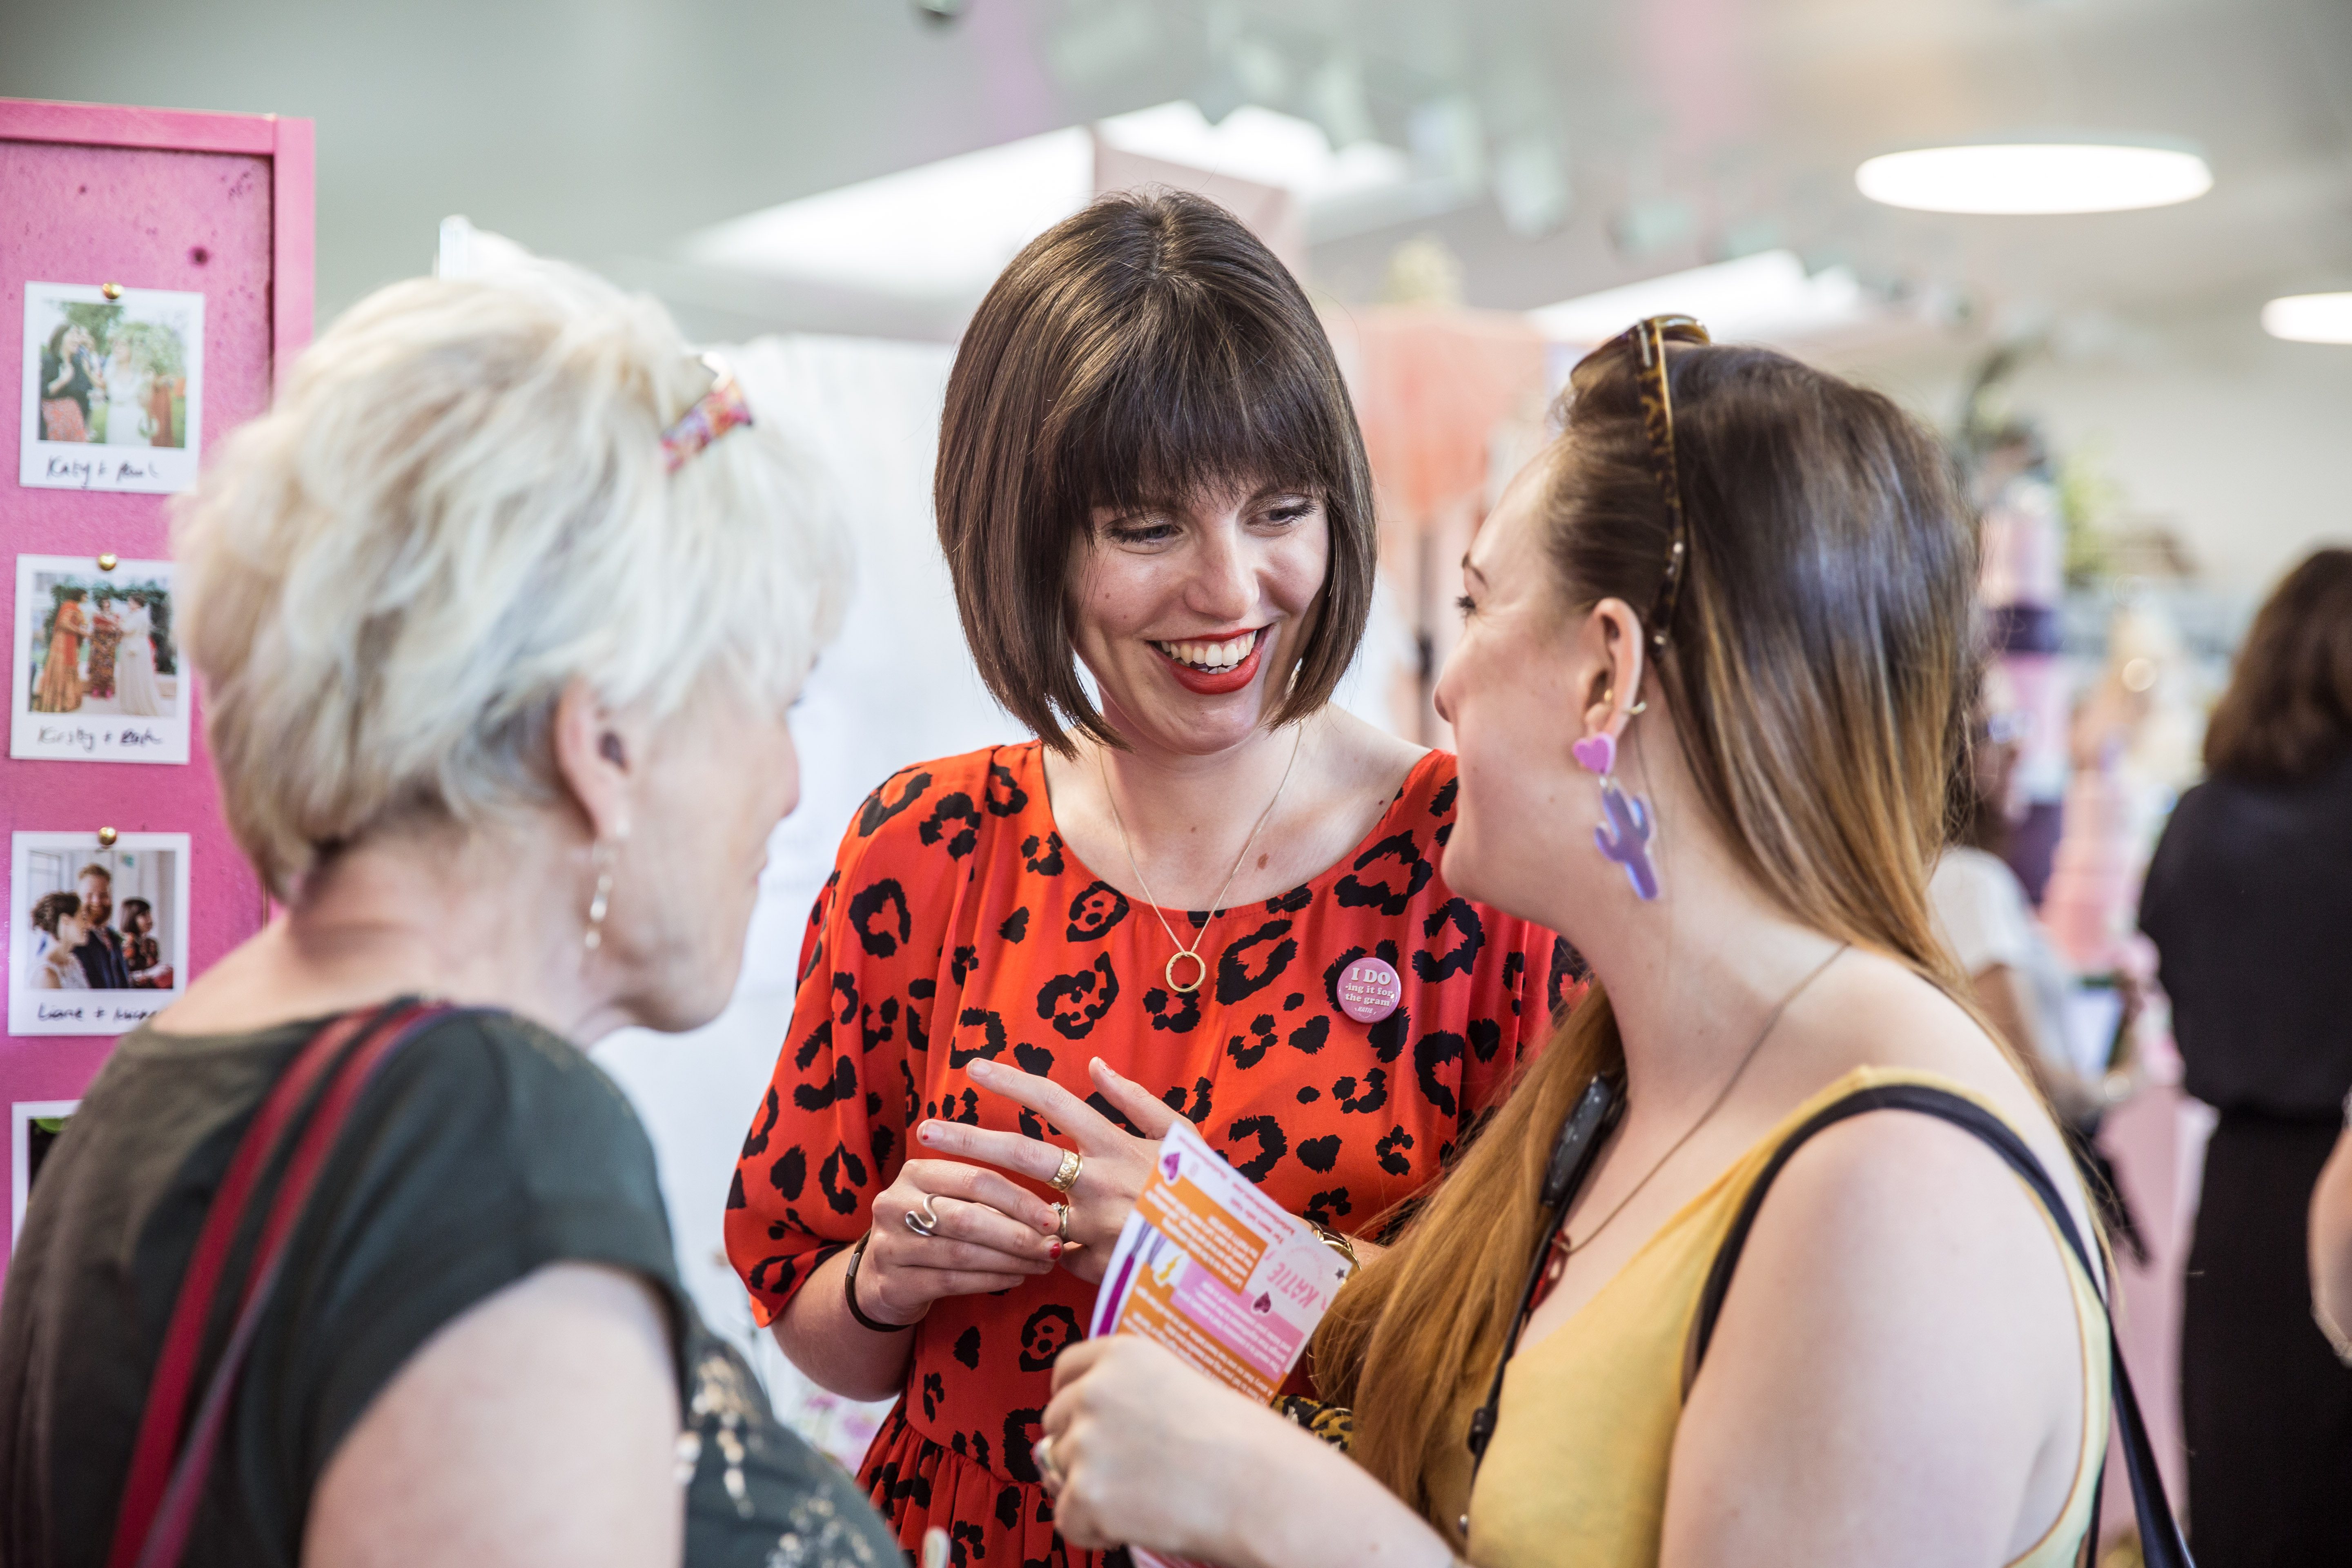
(1200, 972)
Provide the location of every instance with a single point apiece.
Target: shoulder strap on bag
(306, 1108)
(2161, 1543)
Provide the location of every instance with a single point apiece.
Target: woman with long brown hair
(1710, 689)
(2248, 898)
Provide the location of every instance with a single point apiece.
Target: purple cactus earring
(1625, 836)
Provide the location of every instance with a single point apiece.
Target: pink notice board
(150, 199)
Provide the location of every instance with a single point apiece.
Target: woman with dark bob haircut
(1031, 960)
(2248, 898)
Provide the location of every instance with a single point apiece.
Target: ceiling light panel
(2034, 177)
(1769, 298)
(2310, 317)
(940, 231)
(943, 231)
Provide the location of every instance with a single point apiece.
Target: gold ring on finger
(1067, 1177)
(1063, 1210)
(1043, 1451)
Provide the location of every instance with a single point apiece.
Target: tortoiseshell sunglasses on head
(1649, 339)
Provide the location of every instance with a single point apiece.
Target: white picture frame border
(118, 1011)
(21, 1116)
(85, 466)
(97, 738)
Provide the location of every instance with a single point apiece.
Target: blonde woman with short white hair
(497, 615)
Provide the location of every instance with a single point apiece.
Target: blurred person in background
(489, 626)
(2249, 902)
(2331, 1245)
(1033, 958)
(2020, 981)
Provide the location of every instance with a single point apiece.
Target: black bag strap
(2161, 1544)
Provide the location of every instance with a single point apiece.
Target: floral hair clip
(717, 411)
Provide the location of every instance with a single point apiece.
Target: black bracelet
(849, 1292)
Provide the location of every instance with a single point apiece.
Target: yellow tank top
(1576, 1472)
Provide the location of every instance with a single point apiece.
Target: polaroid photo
(98, 936)
(97, 677)
(114, 388)
(33, 1127)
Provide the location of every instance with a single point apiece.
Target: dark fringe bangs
(1187, 406)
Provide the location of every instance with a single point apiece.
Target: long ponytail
(1816, 672)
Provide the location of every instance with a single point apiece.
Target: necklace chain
(1772, 1022)
(1216, 906)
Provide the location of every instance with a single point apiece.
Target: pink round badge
(1370, 991)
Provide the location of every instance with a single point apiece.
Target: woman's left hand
(1115, 1164)
(1143, 1450)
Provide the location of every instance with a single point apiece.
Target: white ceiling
(1626, 141)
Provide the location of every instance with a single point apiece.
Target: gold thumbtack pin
(111, 290)
(106, 837)
(106, 563)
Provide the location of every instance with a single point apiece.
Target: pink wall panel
(87, 195)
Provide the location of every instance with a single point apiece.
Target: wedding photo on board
(98, 673)
(113, 387)
(100, 937)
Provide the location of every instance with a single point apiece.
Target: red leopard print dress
(957, 925)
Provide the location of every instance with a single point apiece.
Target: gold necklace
(1570, 1248)
(1216, 906)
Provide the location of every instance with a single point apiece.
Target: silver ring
(1043, 1451)
(924, 1221)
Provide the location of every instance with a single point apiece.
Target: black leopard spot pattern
(1042, 855)
(1073, 1004)
(958, 915)
(757, 1143)
(885, 901)
(878, 810)
(1462, 916)
(1049, 1329)
(1273, 1143)
(1005, 796)
(1244, 971)
(1096, 913)
(955, 820)
(1178, 1012)
(1394, 888)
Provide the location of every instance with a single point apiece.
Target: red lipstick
(1218, 682)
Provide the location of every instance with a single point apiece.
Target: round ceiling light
(2034, 177)
(2310, 317)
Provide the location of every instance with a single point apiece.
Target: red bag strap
(167, 1472)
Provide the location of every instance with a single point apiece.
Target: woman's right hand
(990, 1236)
(1141, 1449)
